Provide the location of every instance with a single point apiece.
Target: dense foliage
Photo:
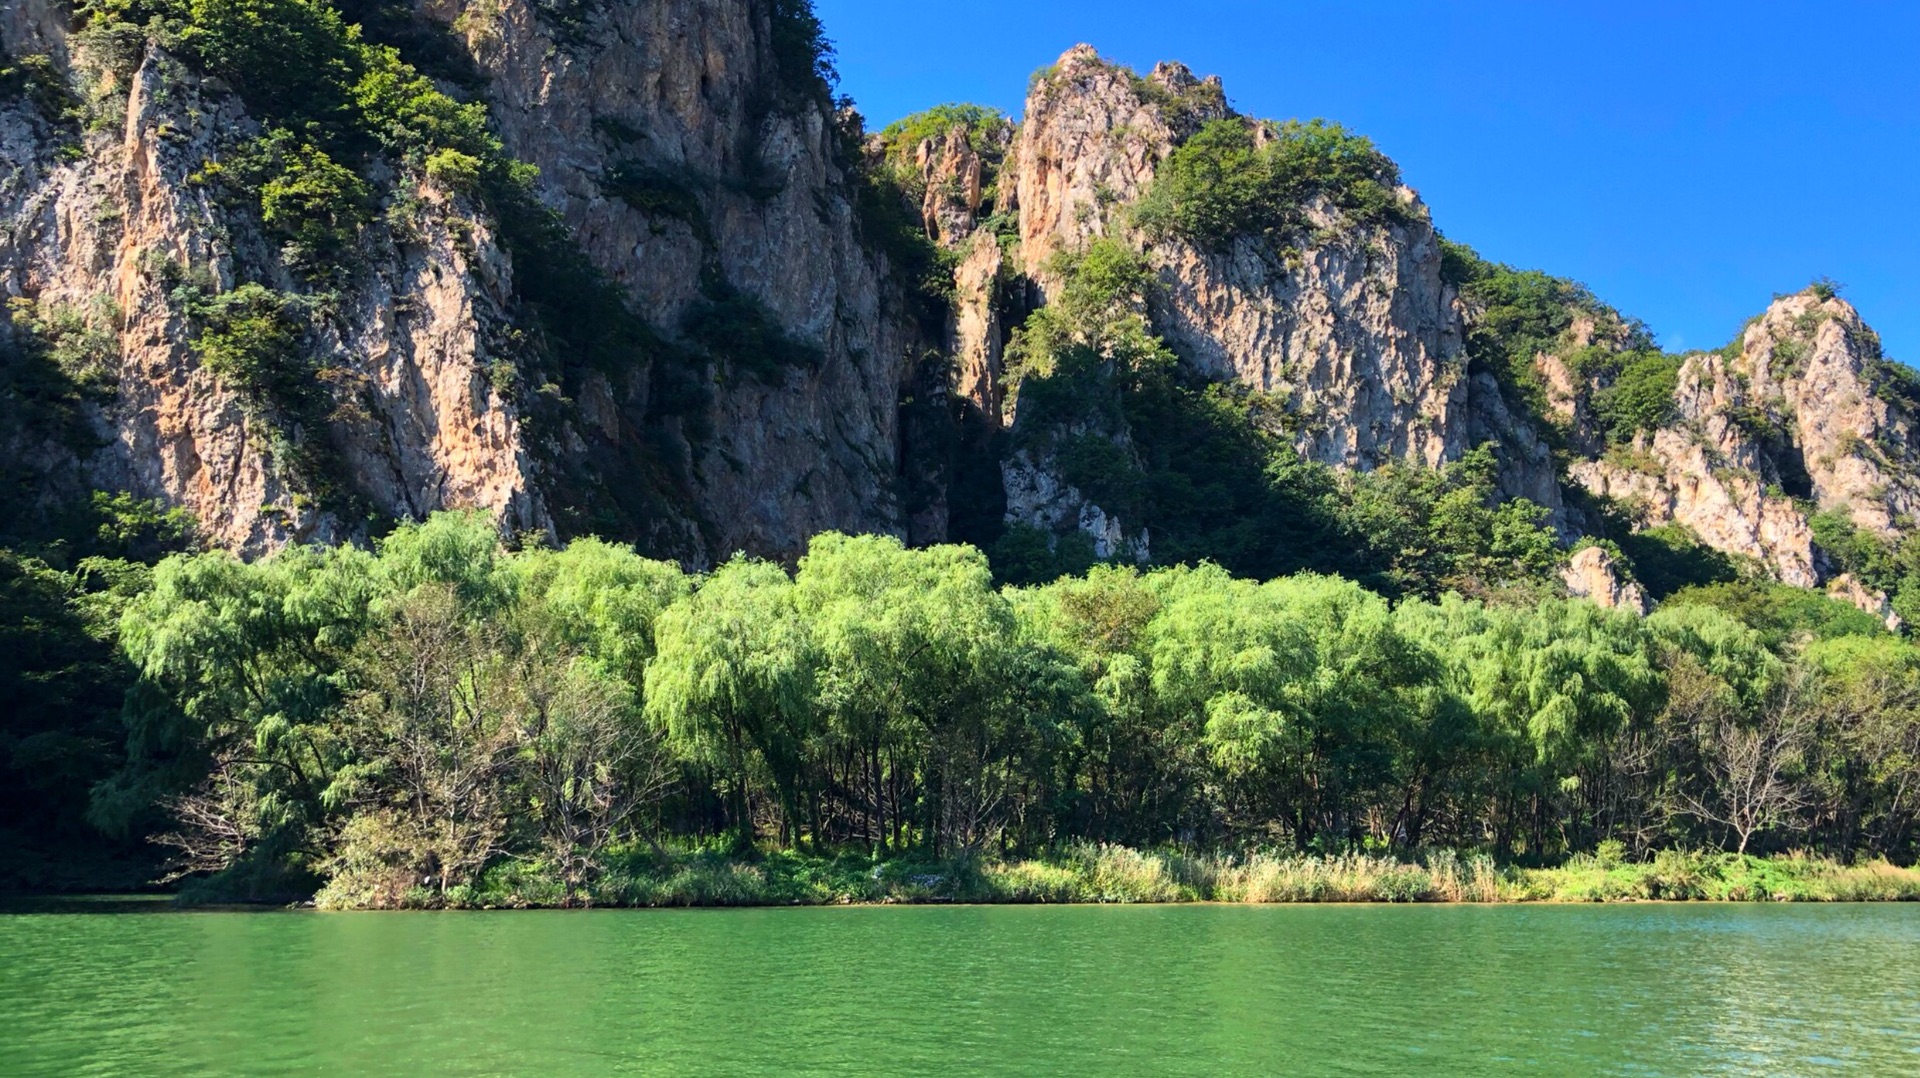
(1235, 177)
(985, 129)
(407, 724)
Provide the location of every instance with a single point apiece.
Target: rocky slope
(104, 231)
(1353, 329)
(686, 97)
(1357, 330)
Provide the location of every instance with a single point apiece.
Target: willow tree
(241, 678)
(1551, 687)
(593, 764)
(1867, 756)
(931, 708)
(604, 599)
(730, 685)
(1306, 695)
(1127, 770)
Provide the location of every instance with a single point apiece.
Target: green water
(1011, 990)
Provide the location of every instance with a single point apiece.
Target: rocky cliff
(690, 165)
(752, 400)
(1350, 327)
(1798, 415)
(1348, 324)
(106, 228)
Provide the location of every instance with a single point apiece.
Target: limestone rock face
(1674, 479)
(1593, 573)
(1803, 408)
(684, 98)
(977, 329)
(1810, 366)
(1353, 330)
(1089, 143)
(953, 180)
(1038, 497)
(107, 235)
(1361, 339)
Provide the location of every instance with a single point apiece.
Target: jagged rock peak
(1089, 143)
(1347, 320)
(1179, 78)
(1799, 412)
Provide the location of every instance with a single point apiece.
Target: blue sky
(1685, 160)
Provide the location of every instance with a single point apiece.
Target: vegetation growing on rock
(1237, 177)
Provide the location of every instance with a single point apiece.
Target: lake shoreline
(1096, 874)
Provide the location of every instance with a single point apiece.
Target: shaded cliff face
(687, 166)
(690, 167)
(954, 170)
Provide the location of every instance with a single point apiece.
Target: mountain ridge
(720, 316)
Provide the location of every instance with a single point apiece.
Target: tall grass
(1100, 873)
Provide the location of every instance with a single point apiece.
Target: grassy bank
(1098, 873)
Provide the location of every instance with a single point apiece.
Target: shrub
(287, 57)
(1641, 396)
(1781, 612)
(657, 191)
(737, 330)
(802, 55)
(983, 126)
(379, 862)
(1025, 554)
(36, 80)
(317, 204)
(251, 341)
(1223, 183)
(82, 344)
(1519, 314)
(453, 171)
